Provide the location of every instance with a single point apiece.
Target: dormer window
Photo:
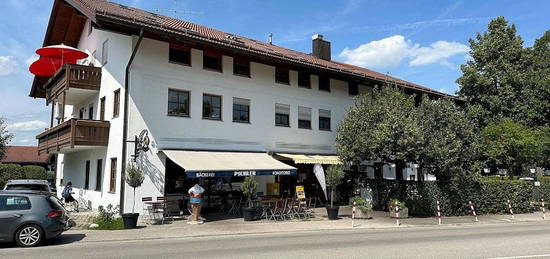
(212, 60)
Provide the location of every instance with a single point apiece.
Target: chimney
(320, 47)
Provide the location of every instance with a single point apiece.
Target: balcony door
(102, 108)
(91, 112)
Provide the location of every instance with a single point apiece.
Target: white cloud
(27, 125)
(387, 52)
(391, 51)
(436, 52)
(7, 65)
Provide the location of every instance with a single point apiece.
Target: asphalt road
(519, 240)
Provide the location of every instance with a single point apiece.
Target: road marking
(521, 256)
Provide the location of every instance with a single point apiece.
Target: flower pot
(332, 212)
(248, 214)
(130, 220)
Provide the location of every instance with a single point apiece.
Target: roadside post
(353, 214)
(397, 213)
(438, 212)
(542, 208)
(510, 209)
(473, 211)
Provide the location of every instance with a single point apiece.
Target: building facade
(188, 88)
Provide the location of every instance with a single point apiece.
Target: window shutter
(282, 108)
(324, 113)
(241, 101)
(304, 113)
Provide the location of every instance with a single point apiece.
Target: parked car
(29, 217)
(29, 184)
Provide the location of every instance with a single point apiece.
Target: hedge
(489, 195)
(15, 171)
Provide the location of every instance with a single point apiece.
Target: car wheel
(28, 235)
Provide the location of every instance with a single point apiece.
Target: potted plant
(249, 187)
(403, 210)
(134, 178)
(333, 177)
(363, 208)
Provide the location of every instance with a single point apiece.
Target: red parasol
(53, 57)
(61, 51)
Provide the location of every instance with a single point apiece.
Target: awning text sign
(198, 174)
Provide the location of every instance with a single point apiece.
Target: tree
(333, 176)
(249, 187)
(134, 178)
(537, 89)
(382, 126)
(494, 79)
(5, 137)
(450, 139)
(511, 146)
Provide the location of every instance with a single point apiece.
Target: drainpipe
(126, 121)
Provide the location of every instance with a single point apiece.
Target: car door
(12, 210)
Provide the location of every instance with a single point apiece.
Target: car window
(32, 187)
(55, 203)
(14, 203)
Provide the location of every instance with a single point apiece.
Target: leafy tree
(134, 178)
(537, 90)
(5, 137)
(494, 78)
(333, 176)
(249, 187)
(382, 126)
(510, 145)
(450, 139)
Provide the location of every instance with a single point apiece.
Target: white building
(209, 101)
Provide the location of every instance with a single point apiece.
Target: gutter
(126, 121)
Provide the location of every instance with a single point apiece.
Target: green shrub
(107, 220)
(34, 172)
(9, 172)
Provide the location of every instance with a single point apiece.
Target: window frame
(99, 175)
(241, 60)
(248, 111)
(299, 120)
(301, 75)
(221, 107)
(177, 47)
(278, 70)
(112, 176)
(116, 103)
(324, 117)
(353, 88)
(212, 54)
(322, 80)
(104, 52)
(188, 103)
(287, 115)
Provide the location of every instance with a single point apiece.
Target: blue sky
(421, 41)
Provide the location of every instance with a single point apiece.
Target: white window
(282, 112)
(105, 52)
(304, 117)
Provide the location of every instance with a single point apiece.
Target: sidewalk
(236, 226)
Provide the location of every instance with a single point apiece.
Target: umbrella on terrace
(53, 57)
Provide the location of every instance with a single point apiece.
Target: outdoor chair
(280, 210)
(160, 209)
(235, 209)
(147, 208)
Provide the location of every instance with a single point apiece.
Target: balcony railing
(75, 76)
(74, 134)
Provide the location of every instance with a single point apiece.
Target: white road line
(521, 256)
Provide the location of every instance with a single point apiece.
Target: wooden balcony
(73, 135)
(73, 83)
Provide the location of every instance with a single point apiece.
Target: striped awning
(312, 159)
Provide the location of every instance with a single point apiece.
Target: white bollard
(510, 209)
(397, 213)
(353, 214)
(542, 208)
(473, 211)
(438, 213)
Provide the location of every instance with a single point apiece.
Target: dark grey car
(28, 217)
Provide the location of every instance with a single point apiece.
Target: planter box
(404, 213)
(363, 214)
